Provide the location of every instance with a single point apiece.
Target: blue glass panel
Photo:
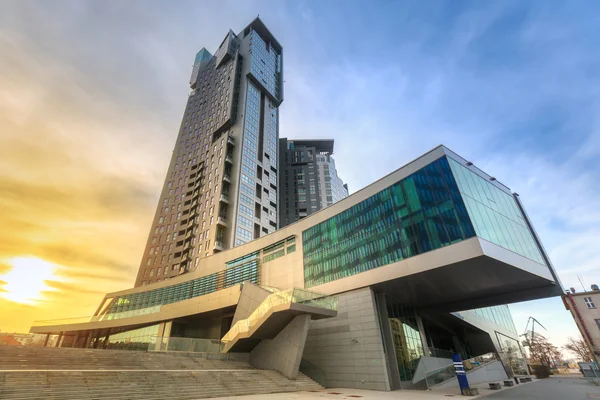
(495, 214)
(420, 213)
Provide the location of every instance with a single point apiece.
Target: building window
(422, 212)
(589, 303)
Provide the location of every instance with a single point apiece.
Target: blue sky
(512, 86)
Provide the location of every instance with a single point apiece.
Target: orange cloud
(81, 167)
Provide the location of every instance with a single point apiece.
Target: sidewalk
(351, 394)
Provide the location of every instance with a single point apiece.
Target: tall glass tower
(221, 186)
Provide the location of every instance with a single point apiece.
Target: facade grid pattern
(420, 213)
(495, 214)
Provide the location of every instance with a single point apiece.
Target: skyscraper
(220, 188)
(308, 180)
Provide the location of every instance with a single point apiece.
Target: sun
(25, 282)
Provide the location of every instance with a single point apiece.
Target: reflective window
(512, 354)
(186, 290)
(495, 214)
(407, 339)
(136, 339)
(499, 315)
(420, 213)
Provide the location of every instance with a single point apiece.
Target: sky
(92, 94)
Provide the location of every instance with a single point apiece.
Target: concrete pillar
(46, 340)
(162, 336)
(388, 342)
(105, 341)
(426, 350)
(284, 352)
(88, 339)
(458, 348)
(168, 326)
(60, 336)
(75, 344)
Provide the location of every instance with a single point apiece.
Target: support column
(162, 339)
(88, 339)
(60, 336)
(105, 341)
(47, 339)
(426, 350)
(388, 342)
(76, 340)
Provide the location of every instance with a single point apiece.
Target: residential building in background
(388, 282)
(221, 186)
(308, 179)
(584, 307)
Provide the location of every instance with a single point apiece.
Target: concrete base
(471, 392)
(509, 383)
(284, 352)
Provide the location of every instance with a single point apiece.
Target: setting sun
(26, 281)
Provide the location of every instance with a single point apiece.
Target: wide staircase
(57, 373)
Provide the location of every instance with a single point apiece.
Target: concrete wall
(284, 352)
(586, 317)
(348, 348)
(250, 298)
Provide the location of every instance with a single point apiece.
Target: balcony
(222, 220)
(219, 245)
(224, 198)
(228, 159)
(231, 140)
(227, 178)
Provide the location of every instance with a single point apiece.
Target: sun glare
(25, 282)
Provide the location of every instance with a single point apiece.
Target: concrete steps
(36, 373)
(14, 357)
(185, 385)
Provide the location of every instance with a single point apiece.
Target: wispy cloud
(91, 96)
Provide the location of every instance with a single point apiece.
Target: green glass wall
(136, 339)
(495, 214)
(408, 347)
(247, 271)
(499, 315)
(420, 213)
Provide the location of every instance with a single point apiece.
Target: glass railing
(95, 318)
(193, 345)
(164, 343)
(276, 298)
(439, 353)
(479, 361)
(439, 375)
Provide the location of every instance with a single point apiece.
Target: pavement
(557, 387)
(553, 388)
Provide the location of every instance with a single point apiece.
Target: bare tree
(541, 350)
(580, 348)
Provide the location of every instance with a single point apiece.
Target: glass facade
(407, 339)
(512, 354)
(495, 214)
(135, 339)
(248, 271)
(245, 214)
(499, 315)
(420, 213)
(265, 64)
